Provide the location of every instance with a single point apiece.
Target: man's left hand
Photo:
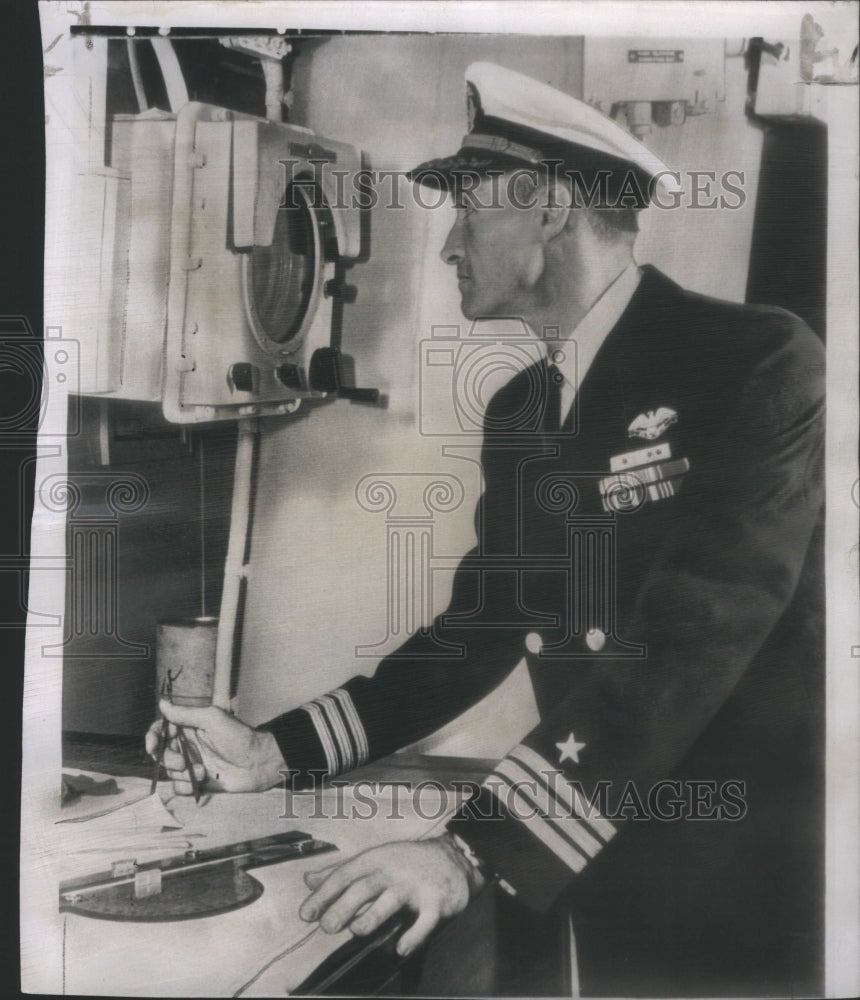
(431, 878)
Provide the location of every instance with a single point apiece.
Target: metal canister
(185, 659)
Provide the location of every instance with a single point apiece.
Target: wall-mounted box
(212, 247)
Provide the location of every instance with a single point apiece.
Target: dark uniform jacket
(658, 561)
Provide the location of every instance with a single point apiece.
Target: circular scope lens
(282, 276)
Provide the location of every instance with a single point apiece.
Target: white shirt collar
(573, 355)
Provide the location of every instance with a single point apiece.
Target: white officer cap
(516, 121)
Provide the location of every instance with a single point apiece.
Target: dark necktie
(552, 413)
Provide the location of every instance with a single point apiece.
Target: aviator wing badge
(652, 424)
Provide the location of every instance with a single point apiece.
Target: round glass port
(281, 278)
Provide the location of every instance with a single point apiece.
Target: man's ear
(555, 209)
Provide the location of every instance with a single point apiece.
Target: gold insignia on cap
(652, 424)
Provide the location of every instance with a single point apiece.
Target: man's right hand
(232, 756)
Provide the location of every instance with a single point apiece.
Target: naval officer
(663, 459)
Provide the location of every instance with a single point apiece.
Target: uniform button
(595, 639)
(534, 643)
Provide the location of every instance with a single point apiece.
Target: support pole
(236, 567)
(238, 547)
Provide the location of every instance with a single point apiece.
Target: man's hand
(431, 878)
(232, 756)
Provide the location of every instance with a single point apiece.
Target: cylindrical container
(185, 660)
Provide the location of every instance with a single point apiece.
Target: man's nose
(452, 251)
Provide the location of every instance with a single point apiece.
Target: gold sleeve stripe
(338, 730)
(542, 830)
(354, 723)
(570, 796)
(322, 729)
(548, 810)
